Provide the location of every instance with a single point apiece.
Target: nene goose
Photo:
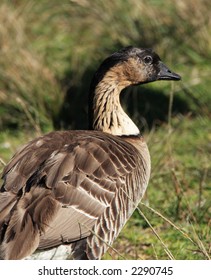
(80, 187)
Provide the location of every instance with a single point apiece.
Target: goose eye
(148, 59)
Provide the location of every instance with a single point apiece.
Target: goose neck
(107, 112)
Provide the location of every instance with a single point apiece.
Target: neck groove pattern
(107, 113)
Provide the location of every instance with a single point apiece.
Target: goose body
(79, 188)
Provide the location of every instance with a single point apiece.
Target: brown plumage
(80, 187)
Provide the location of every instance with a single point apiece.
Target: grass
(48, 54)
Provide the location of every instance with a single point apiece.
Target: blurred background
(49, 51)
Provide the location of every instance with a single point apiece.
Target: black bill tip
(166, 74)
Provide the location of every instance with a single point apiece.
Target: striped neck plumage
(107, 113)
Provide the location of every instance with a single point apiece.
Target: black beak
(166, 74)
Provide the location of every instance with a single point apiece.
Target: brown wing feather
(61, 186)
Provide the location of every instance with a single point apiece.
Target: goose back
(72, 186)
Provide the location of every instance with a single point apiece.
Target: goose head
(144, 66)
(129, 66)
(134, 66)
